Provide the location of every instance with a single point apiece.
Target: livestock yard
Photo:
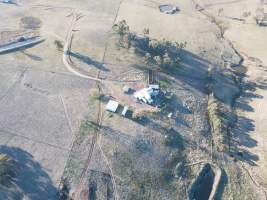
(133, 99)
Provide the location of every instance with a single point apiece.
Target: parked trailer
(20, 44)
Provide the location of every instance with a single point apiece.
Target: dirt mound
(30, 23)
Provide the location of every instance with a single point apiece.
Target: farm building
(146, 95)
(112, 106)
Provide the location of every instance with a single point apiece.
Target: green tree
(123, 30)
(146, 32)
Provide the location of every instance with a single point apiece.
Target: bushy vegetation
(8, 169)
(59, 45)
(162, 53)
(217, 126)
(224, 89)
(164, 84)
(125, 36)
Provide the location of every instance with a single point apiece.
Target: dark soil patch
(202, 186)
(30, 23)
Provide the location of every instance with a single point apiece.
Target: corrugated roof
(112, 106)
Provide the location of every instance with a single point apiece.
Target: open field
(42, 104)
(207, 133)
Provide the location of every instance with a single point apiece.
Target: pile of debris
(169, 9)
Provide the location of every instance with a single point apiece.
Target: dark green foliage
(59, 45)
(8, 169)
(125, 36)
(157, 52)
(163, 52)
(164, 84)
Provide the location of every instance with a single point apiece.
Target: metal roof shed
(124, 112)
(112, 106)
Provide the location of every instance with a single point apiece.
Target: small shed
(112, 106)
(124, 112)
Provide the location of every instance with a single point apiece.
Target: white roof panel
(112, 106)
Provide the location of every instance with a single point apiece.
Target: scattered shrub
(8, 169)
(59, 45)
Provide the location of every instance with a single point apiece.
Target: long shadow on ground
(194, 74)
(32, 180)
(89, 61)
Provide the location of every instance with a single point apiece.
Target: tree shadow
(87, 60)
(244, 126)
(31, 56)
(241, 92)
(248, 157)
(251, 95)
(32, 180)
(180, 121)
(243, 105)
(223, 182)
(192, 70)
(241, 139)
(227, 86)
